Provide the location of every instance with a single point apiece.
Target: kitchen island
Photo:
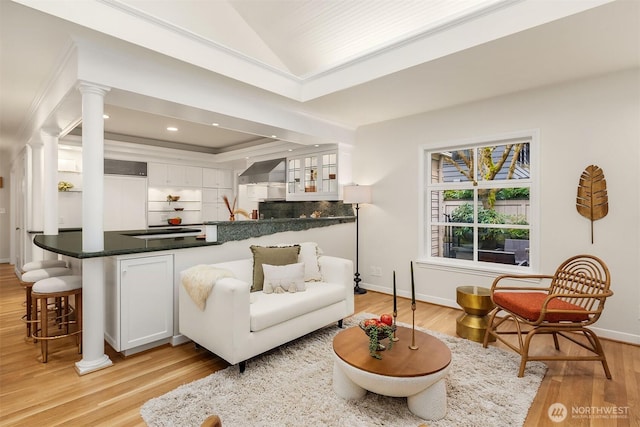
(140, 278)
(125, 242)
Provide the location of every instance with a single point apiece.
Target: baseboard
(145, 347)
(4, 260)
(446, 302)
(616, 335)
(602, 333)
(179, 340)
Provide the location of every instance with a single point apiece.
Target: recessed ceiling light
(105, 116)
(290, 149)
(215, 124)
(273, 136)
(172, 129)
(316, 145)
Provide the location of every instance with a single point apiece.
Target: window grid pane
(491, 215)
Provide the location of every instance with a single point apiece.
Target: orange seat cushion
(528, 305)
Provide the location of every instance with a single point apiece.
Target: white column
(49, 182)
(36, 167)
(35, 200)
(93, 293)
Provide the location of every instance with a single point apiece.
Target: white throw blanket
(199, 280)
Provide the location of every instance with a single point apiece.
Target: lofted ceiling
(348, 62)
(310, 36)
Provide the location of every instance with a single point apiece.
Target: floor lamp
(357, 194)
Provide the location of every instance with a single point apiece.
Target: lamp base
(358, 290)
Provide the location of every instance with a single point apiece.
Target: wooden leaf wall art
(592, 201)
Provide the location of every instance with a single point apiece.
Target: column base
(85, 367)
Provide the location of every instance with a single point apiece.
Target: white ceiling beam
(136, 26)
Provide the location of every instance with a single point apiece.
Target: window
(479, 200)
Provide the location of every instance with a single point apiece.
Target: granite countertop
(123, 242)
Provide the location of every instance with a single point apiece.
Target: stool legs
(63, 312)
(44, 329)
(31, 274)
(30, 316)
(29, 308)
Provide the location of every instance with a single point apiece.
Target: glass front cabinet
(313, 176)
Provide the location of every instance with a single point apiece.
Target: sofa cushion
(270, 309)
(309, 253)
(272, 255)
(283, 278)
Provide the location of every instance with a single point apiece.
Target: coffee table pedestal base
(426, 395)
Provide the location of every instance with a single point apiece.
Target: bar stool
(45, 263)
(27, 280)
(61, 287)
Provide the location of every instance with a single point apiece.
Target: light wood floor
(37, 394)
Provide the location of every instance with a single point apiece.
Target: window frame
(425, 204)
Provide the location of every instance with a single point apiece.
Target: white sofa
(237, 324)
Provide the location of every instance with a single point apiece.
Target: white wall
(5, 236)
(594, 121)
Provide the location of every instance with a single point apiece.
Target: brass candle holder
(413, 345)
(395, 315)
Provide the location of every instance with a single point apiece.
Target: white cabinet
(210, 195)
(200, 191)
(213, 206)
(157, 174)
(163, 175)
(139, 302)
(313, 176)
(125, 206)
(215, 195)
(217, 178)
(192, 176)
(214, 212)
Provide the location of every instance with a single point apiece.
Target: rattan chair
(574, 300)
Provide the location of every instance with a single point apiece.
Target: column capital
(35, 143)
(49, 132)
(88, 88)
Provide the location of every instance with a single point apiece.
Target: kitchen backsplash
(282, 209)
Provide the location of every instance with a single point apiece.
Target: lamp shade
(356, 194)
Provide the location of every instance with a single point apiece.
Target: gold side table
(476, 303)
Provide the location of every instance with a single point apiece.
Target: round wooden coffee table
(419, 375)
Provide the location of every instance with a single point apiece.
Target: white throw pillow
(309, 253)
(283, 278)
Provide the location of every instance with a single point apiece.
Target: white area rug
(292, 386)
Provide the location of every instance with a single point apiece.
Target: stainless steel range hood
(264, 172)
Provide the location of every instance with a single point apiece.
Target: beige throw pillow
(283, 278)
(271, 255)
